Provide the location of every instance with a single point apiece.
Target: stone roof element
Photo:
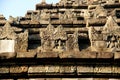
(60, 33)
(111, 24)
(100, 12)
(7, 32)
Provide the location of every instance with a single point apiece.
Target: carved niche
(47, 41)
(60, 38)
(22, 40)
(8, 41)
(53, 39)
(107, 38)
(72, 42)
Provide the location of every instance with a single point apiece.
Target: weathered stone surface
(69, 78)
(116, 69)
(102, 69)
(52, 69)
(85, 79)
(117, 55)
(18, 69)
(67, 69)
(84, 69)
(88, 55)
(53, 78)
(47, 55)
(30, 54)
(105, 55)
(100, 79)
(4, 69)
(37, 79)
(36, 69)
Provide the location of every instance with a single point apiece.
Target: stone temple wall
(69, 40)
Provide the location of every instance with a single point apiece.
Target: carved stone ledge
(117, 55)
(84, 69)
(105, 55)
(88, 55)
(4, 70)
(36, 69)
(26, 54)
(47, 55)
(18, 69)
(68, 69)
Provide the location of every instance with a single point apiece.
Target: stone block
(52, 69)
(100, 79)
(87, 55)
(85, 79)
(69, 78)
(67, 54)
(105, 55)
(117, 55)
(47, 55)
(18, 69)
(84, 69)
(26, 54)
(67, 69)
(102, 69)
(38, 79)
(53, 78)
(116, 69)
(36, 69)
(4, 70)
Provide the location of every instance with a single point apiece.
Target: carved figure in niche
(7, 42)
(60, 38)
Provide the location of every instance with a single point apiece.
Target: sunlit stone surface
(7, 46)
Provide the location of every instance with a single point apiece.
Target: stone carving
(7, 41)
(22, 40)
(99, 12)
(106, 38)
(72, 42)
(60, 38)
(68, 15)
(53, 39)
(47, 41)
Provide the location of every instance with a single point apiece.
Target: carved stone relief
(7, 41)
(107, 38)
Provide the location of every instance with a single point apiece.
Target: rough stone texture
(38, 79)
(100, 79)
(117, 55)
(36, 69)
(105, 55)
(53, 78)
(69, 78)
(67, 69)
(52, 69)
(85, 79)
(102, 69)
(18, 69)
(47, 55)
(26, 54)
(4, 70)
(116, 69)
(84, 69)
(91, 55)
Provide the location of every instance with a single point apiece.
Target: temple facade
(69, 40)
